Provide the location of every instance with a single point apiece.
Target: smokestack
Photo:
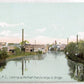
(77, 39)
(35, 42)
(55, 42)
(22, 35)
(67, 40)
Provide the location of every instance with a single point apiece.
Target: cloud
(54, 26)
(8, 36)
(57, 27)
(41, 30)
(46, 40)
(81, 35)
(10, 40)
(74, 37)
(5, 33)
(42, 1)
(8, 33)
(4, 24)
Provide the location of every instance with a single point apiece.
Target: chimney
(77, 39)
(22, 35)
(55, 42)
(35, 42)
(67, 40)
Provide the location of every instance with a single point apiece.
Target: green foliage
(17, 51)
(71, 48)
(10, 43)
(75, 51)
(22, 45)
(73, 67)
(3, 54)
(81, 47)
(40, 52)
(2, 66)
(50, 45)
(52, 49)
(24, 42)
(4, 48)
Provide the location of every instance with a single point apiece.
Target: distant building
(2, 45)
(55, 42)
(62, 46)
(57, 47)
(14, 44)
(11, 47)
(35, 48)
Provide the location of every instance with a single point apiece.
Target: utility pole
(67, 40)
(35, 42)
(22, 35)
(55, 45)
(55, 42)
(77, 39)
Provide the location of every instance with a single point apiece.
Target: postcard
(41, 41)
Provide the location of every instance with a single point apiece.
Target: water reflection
(24, 61)
(22, 66)
(2, 66)
(55, 54)
(39, 67)
(76, 70)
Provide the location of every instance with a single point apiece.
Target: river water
(49, 67)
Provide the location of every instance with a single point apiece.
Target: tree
(81, 48)
(17, 51)
(3, 54)
(2, 66)
(10, 43)
(4, 48)
(71, 48)
(24, 42)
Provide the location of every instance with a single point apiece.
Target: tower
(67, 40)
(55, 42)
(22, 35)
(77, 39)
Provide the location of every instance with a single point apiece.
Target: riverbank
(75, 51)
(21, 55)
(76, 59)
(2, 60)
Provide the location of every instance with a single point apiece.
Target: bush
(3, 54)
(40, 52)
(71, 48)
(81, 48)
(17, 51)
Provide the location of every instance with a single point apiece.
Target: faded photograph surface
(41, 42)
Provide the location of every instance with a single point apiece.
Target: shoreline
(16, 57)
(78, 60)
(12, 57)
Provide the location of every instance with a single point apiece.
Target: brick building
(35, 48)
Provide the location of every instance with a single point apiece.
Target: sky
(43, 22)
(49, 1)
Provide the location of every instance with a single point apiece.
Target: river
(49, 67)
